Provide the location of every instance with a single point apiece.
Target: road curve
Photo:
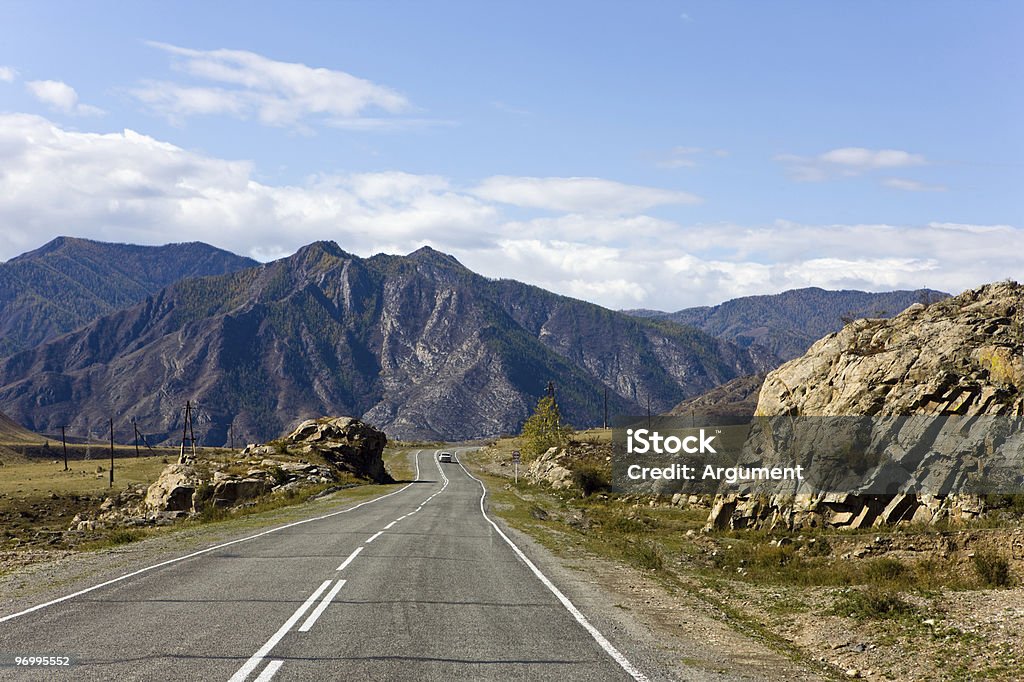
(415, 585)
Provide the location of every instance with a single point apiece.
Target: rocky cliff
(961, 356)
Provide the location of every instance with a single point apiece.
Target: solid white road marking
(347, 561)
(387, 527)
(401, 517)
(205, 551)
(269, 672)
(258, 657)
(322, 606)
(374, 536)
(609, 648)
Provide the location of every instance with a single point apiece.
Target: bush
(590, 480)
(992, 568)
(886, 570)
(647, 555)
(873, 604)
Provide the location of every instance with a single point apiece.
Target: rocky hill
(788, 323)
(961, 356)
(417, 345)
(737, 398)
(69, 282)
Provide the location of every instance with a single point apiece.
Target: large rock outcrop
(961, 356)
(347, 443)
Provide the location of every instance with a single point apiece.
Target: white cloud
(867, 159)
(912, 185)
(7, 74)
(847, 161)
(61, 96)
(124, 186)
(250, 86)
(578, 195)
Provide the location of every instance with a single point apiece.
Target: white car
(444, 457)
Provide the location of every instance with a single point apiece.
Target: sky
(652, 154)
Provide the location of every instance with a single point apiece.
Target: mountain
(788, 323)
(417, 345)
(69, 282)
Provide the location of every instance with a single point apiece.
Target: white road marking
(374, 536)
(322, 606)
(204, 551)
(401, 517)
(269, 672)
(347, 561)
(258, 657)
(387, 527)
(609, 648)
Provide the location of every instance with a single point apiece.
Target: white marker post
(515, 464)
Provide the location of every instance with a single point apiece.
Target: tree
(544, 429)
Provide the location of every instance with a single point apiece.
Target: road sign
(515, 464)
(515, 456)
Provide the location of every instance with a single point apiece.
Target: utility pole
(64, 442)
(111, 453)
(231, 434)
(136, 429)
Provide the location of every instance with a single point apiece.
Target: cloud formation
(847, 161)
(62, 97)
(912, 185)
(578, 195)
(250, 86)
(7, 74)
(599, 245)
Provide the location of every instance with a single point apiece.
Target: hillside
(788, 323)
(69, 282)
(12, 432)
(737, 398)
(417, 345)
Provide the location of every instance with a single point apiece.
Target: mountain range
(417, 345)
(69, 282)
(788, 323)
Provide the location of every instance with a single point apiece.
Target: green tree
(544, 429)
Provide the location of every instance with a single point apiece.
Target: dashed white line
(374, 536)
(269, 672)
(258, 657)
(347, 561)
(388, 527)
(402, 517)
(322, 606)
(609, 648)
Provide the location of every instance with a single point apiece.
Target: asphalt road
(416, 585)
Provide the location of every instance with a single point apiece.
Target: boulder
(175, 488)
(346, 442)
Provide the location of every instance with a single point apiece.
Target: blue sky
(636, 154)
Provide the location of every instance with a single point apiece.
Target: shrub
(647, 555)
(886, 570)
(590, 479)
(992, 568)
(873, 604)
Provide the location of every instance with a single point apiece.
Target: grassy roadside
(39, 500)
(903, 603)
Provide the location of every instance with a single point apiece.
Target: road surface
(416, 585)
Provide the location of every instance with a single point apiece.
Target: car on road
(444, 457)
